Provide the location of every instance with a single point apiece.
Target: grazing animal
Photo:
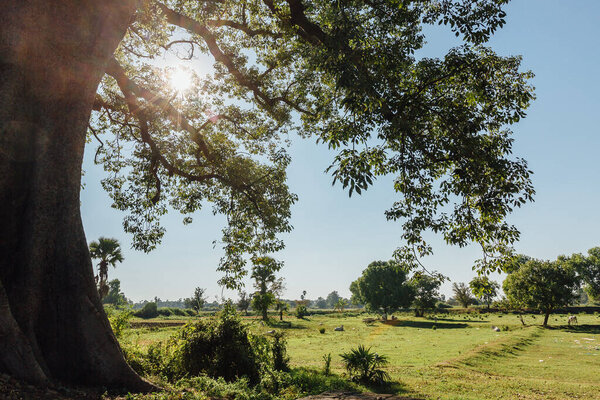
(339, 328)
(572, 320)
(271, 332)
(495, 329)
(394, 318)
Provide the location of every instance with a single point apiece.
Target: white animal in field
(339, 328)
(495, 329)
(572, 320)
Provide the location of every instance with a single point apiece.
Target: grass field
(450, 356)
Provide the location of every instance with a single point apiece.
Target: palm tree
(108, 251)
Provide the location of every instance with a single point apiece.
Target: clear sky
(335, 238)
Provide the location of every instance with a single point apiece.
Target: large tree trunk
(52, 324)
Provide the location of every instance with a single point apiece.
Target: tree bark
(52, 324)
(546, 316)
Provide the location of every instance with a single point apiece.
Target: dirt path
(356, 396)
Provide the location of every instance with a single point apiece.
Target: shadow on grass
(284, 325)
(481, 321)
(427, 324)
(593, 329)
(313, 382)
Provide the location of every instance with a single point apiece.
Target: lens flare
(181, 79)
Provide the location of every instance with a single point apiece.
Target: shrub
(190, 312)
(364, 366)
(165, 312)
(219, 347)
(119, 321)
(178, 311)
(301, 311)
(322, 330)
(278, 348)
(327, 366)
(148, 311)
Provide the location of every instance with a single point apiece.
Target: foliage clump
(150, 310)
(382, 288)
(221, 347)
(542, 285)
(364, 366)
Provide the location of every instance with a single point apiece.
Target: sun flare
(181, 79)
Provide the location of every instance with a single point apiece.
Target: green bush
(165, 312)
(301, 311)
(148, 311)
(220, 347)
(279, 350)
(178, 311)
(119, 320)
(364, 366)
(190, 312)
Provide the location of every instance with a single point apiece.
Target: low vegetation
(446, 355)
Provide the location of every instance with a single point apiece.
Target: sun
(180, 79)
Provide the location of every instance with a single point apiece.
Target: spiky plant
(364, 366)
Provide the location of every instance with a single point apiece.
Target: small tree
(281, 307)
(382, 288)
(340, 305)
(542, 285)
(266, 284)
(588, 268)
(108, 251)
(426, 292)
(244, 302)
(462, 294)
(484, 289)
(332, 299)
(197, 301)
(321, 303)
(114, 295)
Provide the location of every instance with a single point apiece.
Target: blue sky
(335, 237)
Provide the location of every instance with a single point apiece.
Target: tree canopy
(426, 291)
(462, 294)
(383, 287)
(484, 289)
(542, 285)
(350, 74)
(108, 251)
(346, 73)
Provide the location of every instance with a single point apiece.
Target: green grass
(462, 358)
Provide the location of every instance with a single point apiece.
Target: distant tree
(340, 305)
(332, 299)
(383, 287)
(243, 302)
(588, 269)
(303, 300)
(321, 303)
(281, 307)
(462, 294)
(197, 301)
(108, 251)
(114, 295)
(355, 298)
(426, 292)
(266, 283)
(543, 285)
(484, 289)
